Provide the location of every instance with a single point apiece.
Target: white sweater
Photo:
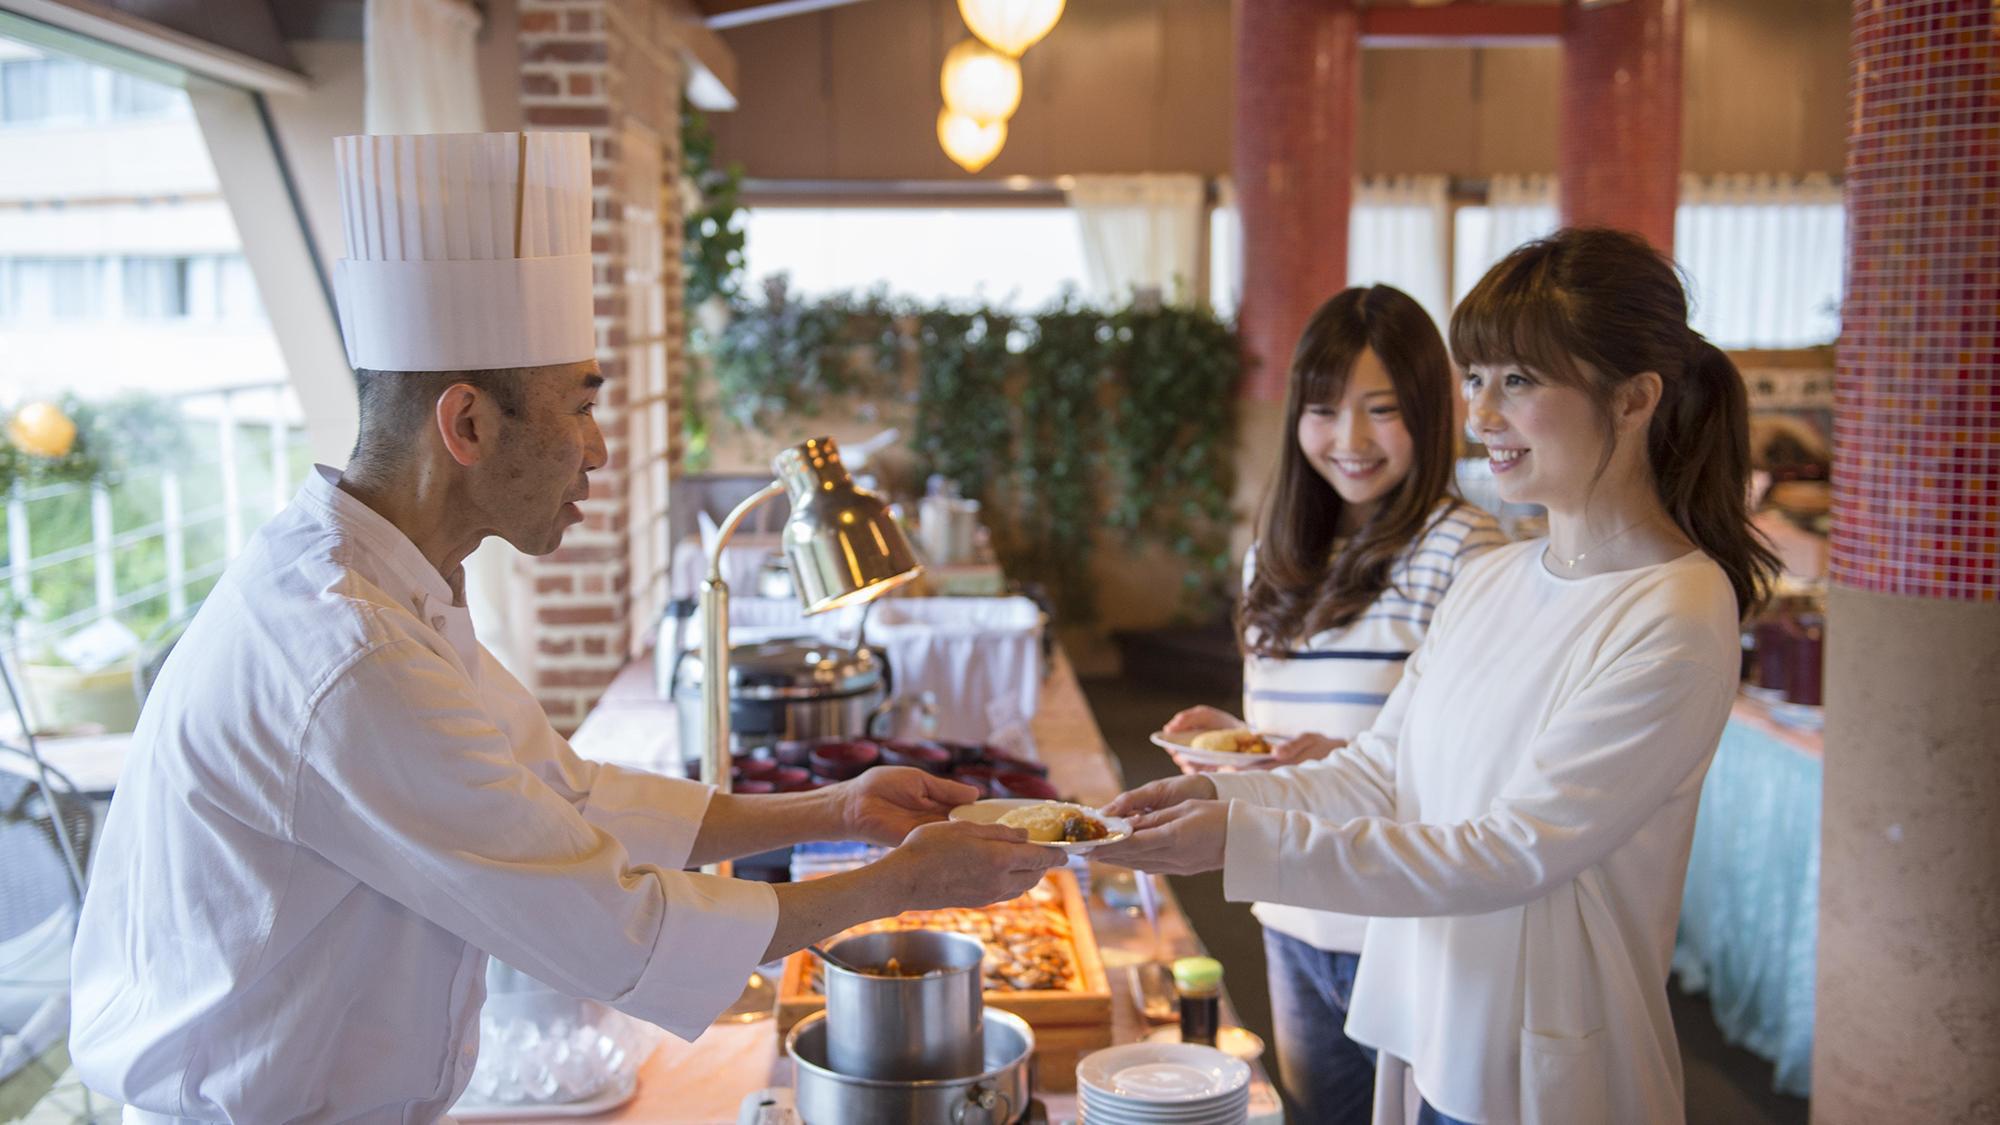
(1518, 823)
(1335, 682)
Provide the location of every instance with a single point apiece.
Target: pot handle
(984, 1099)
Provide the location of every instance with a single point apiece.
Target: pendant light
(1010, 26)
(980, 82)
(970, 144)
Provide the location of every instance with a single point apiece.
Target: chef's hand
(957, 864)
(1162, 794)
(1201, 719)
(885, 804)
(1186, 839)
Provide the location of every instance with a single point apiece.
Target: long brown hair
(1301, 587)
(1593, 308)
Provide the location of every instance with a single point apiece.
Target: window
(1017, 257)
(55, 91)
(51, 289)
(155, 288)
(38, 90)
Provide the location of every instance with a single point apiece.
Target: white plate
(991, 810)
(1153, 1073)
(1236, 1042)
(1099, 1108)
(1179, 740)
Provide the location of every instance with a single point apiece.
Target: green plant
(712, 241)
(785, 358)
(1172, 436)
(1061, 427)
(1064, 424)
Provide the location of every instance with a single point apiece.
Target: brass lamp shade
(843, 545)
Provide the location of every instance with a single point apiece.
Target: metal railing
(220, 412)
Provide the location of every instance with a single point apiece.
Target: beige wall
(1144, 85)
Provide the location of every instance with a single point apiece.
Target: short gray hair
(397, 405)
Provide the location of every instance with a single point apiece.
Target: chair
(38, 911)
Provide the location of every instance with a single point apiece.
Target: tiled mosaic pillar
(1618, 153)
(1298, 72)
(1908, 1020)
(612, 68)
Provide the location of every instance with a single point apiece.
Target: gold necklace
(1582, 555)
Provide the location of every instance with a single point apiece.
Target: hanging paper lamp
(1011, 26)
(980, 82)
(972, 145)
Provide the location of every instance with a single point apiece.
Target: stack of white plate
(1162, 1084)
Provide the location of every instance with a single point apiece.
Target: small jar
(1198, 980)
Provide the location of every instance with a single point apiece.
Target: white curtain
(421, 66)
(1517, 209)
(1764, 258)
(1141, 234)
(1396, 232)
(1225, 251)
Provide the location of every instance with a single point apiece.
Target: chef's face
(1359, 444)
(546, 456)
(1545, 439)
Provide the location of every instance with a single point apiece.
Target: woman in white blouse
(1517, 821)
(1358, 542)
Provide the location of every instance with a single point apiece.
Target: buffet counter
(705, 1082)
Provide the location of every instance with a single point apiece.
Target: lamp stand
(758, 993)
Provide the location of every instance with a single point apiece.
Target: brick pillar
(1618, 153)
(611, 68)
(1298, 73)
(1907, 1026)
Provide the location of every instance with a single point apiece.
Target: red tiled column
(1907, 1025)
(1619, 152)
(1298, 69)
(612, 68)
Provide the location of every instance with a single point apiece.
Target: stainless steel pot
(921, 1025)
(795, 689)
(997, 1095)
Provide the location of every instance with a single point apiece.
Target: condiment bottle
(1198, 980)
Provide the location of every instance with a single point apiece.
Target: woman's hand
(1196, 719)
(1187, 839)
(1308, 747)
(1162, 794)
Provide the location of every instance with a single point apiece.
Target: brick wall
(610, 68)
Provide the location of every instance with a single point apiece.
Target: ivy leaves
(1065, 424)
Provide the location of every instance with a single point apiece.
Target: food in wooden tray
(1231, 742)
(1027, 939)
(1056, 823)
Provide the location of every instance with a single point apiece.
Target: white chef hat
(465, 251)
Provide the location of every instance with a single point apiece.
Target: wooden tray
(1068, 1023)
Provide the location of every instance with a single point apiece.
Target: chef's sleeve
(406, 783)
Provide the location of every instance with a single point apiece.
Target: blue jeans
(1328, 1078)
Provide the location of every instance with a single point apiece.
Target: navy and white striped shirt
(1334, 682)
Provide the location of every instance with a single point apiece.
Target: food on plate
(1027, 939)
(1230, 742)
(1053, 823)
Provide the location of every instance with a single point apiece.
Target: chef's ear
(468, 421)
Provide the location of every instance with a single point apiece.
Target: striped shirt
(1334, 682)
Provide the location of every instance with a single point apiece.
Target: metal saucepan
(997, 1095)
(918, 1025)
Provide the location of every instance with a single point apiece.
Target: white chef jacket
(337, 805)
(1517, 824)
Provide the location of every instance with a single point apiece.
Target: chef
(338, 804)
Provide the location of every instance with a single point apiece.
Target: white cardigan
(1518, 822)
